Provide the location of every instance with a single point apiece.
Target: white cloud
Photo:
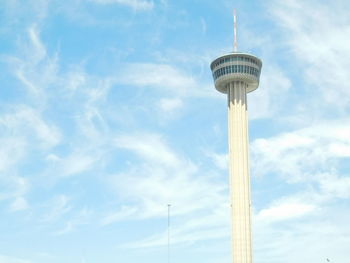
(154, 188)
(164, 177)
(318, 38)
(52, 158)
(197, 227)
(80, 160)
(312, 156)
(15, 11)
(160, 75)
(165, 78)
(124, 212)
(138, 5)
(302, 154)
(38, 49)
(66, 229)
(82, 217)
(12, 151)
(268, 100)
(7, 259)
(335, 185)
(14, 188)
(19, 204)
(75, 80)
(148, 146)
(220, 160)
(77, 163)
(170, 105)
(286, 210)
(59, 206)
(34, 68)
(26, 122)
(327, 230)
(307, 158)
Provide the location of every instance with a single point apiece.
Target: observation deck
(236, 67)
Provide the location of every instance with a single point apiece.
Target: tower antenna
(234, 31)
(169, 233)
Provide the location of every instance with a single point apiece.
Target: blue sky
(108, 113)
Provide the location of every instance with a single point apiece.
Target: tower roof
(243, 54)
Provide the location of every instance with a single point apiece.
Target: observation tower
(237, 74)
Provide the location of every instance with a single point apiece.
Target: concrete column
(239, 172)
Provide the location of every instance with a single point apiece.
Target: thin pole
(169, 233)
(234, 31)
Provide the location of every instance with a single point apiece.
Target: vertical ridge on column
(239, 172)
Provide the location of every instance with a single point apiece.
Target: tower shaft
(239, 172)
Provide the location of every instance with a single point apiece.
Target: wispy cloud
(170, 105)
(17, 14)
(150, 147)
(33, 67)
(77, 163)
(279, 240)
(81, 217)
(163, 177)
(310, 158)
(164, 77)
(302, 154)
(285, 209)
(220, 160)
(318, 38)
(8, 259)
(138, 5)
(198, 227)
(24, 121)
(38, 48)
(14, 188)
(12, 151)
(270, 98)
(19, 204)
(124, 212)
(59, 206)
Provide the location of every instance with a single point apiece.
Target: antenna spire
(234, 31)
